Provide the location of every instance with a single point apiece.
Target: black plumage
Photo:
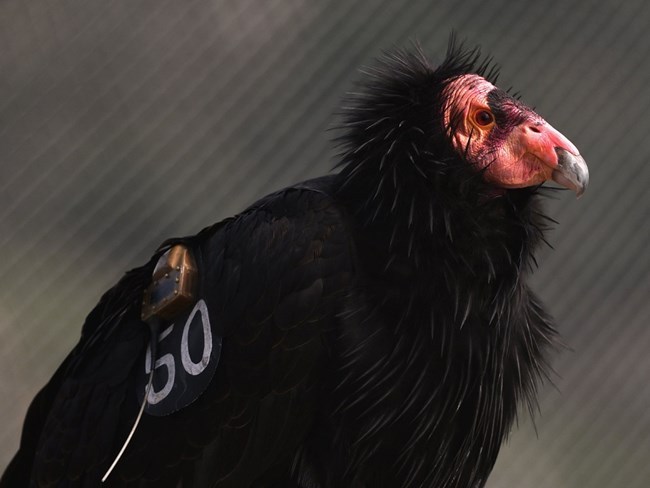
(377, 326)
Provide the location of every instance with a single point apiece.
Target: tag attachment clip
(173, 289)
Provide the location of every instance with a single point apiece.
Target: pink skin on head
(519, 155)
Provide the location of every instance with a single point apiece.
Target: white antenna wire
(153, 325)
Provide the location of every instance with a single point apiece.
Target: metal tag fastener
(173, 289)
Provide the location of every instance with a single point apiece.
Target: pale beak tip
(571, 171)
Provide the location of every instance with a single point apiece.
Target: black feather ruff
(443, 339)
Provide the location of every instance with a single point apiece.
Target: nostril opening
(534, 128)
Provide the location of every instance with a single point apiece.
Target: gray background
(124, 122)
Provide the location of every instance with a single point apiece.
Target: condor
(371, 328)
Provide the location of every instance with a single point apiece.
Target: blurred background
(124, 122)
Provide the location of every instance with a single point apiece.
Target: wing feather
(278, 273)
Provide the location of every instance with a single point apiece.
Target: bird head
(449, 127)
(506, 140)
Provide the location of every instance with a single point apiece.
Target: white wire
(153, 339)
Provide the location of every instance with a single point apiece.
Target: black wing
(279, 272)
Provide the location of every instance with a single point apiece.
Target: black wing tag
(187, 358)
(187, 355)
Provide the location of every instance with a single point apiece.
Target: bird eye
(483, 118)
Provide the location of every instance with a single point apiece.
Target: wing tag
(187, 358)
(188, 348)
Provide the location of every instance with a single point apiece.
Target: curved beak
(569, 169)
